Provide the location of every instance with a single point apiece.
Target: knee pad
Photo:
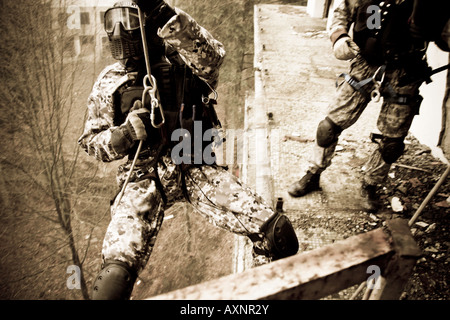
(114, 282)
(327, 133)
(281, 237)
(391, 149)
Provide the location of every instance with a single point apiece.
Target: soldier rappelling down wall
(387, 53)
(173, 75)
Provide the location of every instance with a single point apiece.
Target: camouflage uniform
(210, 189)
(394, 119)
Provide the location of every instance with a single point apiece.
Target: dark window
(84, 18)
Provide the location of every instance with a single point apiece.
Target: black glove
(158, 11)
(138, 124)
(136, 127)
(149, 5)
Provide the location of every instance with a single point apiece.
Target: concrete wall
(316, 8)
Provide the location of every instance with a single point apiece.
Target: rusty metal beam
(400, 266)
(311, 275)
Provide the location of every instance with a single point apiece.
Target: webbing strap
(357, 85)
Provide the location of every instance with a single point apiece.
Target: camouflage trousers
(212, 191)
(393, 121)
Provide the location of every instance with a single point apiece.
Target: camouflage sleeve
(197, 47)
(99, 135)
(342, 18)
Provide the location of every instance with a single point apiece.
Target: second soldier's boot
(370, 199)
(307, 184)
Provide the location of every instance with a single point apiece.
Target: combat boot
(307, 184)
(370, 199)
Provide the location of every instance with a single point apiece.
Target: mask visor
(128, 17)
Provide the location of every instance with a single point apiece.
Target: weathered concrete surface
(295, 75)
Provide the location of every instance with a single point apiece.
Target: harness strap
(377, 78)
(357, 85)
(389, 95)
(142, 174)
(153, 175)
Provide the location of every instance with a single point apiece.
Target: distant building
(85, 22)
(84, 19)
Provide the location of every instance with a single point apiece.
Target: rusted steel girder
(321, 272)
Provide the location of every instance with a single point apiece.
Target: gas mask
(122, 26)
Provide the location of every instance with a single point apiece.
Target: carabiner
(382, 68)
(150, 88)
(375, 95)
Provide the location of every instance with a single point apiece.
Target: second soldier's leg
(227, 203)
(394, 121)
(345, 110)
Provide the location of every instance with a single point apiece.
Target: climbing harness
(377, 79)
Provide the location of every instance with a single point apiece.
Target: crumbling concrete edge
(256, 129)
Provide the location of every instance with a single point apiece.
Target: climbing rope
(151, 89)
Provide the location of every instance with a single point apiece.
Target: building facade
(84, 19)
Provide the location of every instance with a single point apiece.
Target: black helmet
(121, 23)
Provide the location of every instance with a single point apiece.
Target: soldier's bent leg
(396, 115)
(377, 169)
(114, 282)
(280, 236)
(227, 203)
(344, 111)
(400, 105)
(327, 136)
(389, 151)
(327, 133)
(129, 240)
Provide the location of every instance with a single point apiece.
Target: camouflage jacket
(434, 17)
(198, 49)
(345, 14)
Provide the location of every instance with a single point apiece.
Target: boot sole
(299, 195)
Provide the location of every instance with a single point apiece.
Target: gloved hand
(157, 10)
(148, 5)
(138, 124)
(345, 48)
